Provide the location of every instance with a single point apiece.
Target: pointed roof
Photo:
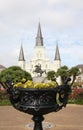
(39, 38)
(21, 55)
(57, 54)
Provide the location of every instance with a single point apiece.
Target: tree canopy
(14, 73)
(64, 73)
(51, 75)
(74, 71)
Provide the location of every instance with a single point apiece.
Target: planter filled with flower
(37, 99)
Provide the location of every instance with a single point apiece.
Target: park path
(69, 118)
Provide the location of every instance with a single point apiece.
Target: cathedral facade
(39, 57)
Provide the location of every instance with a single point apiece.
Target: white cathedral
(39, 57)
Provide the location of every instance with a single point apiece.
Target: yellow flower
(19, 84)
(31, 84)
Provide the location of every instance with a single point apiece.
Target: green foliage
(63, 73)
(14, 74)
(5, 102)
(74, 71)
(51, 75)
(77, 101)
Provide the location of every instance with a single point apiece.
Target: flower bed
(76, 93)
(76, 96)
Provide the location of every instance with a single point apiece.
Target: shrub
(3, 95)
(76, 93)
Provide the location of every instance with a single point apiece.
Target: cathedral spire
(57, 54)
(21, 55)
(39, 38)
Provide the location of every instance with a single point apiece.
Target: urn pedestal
(38, 102)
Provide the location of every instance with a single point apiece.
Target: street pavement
(69, 118)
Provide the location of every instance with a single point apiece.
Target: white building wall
(39, 57)
(45, 65)
(56, 65)
(22, 64)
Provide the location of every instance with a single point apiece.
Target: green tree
(74, 71)
(14, 73)
(51, 75)
(63, 73)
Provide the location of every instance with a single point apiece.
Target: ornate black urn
(38, 102)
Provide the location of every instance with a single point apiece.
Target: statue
(38, 70)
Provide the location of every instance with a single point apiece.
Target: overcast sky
(61, 20)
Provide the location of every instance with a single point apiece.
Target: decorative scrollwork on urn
(38, 101)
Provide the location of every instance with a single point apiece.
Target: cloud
(60, 20)
(66, 3)
(19, 12)
(55, 13)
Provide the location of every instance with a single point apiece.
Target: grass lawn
(77, 101)
(5, 102)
